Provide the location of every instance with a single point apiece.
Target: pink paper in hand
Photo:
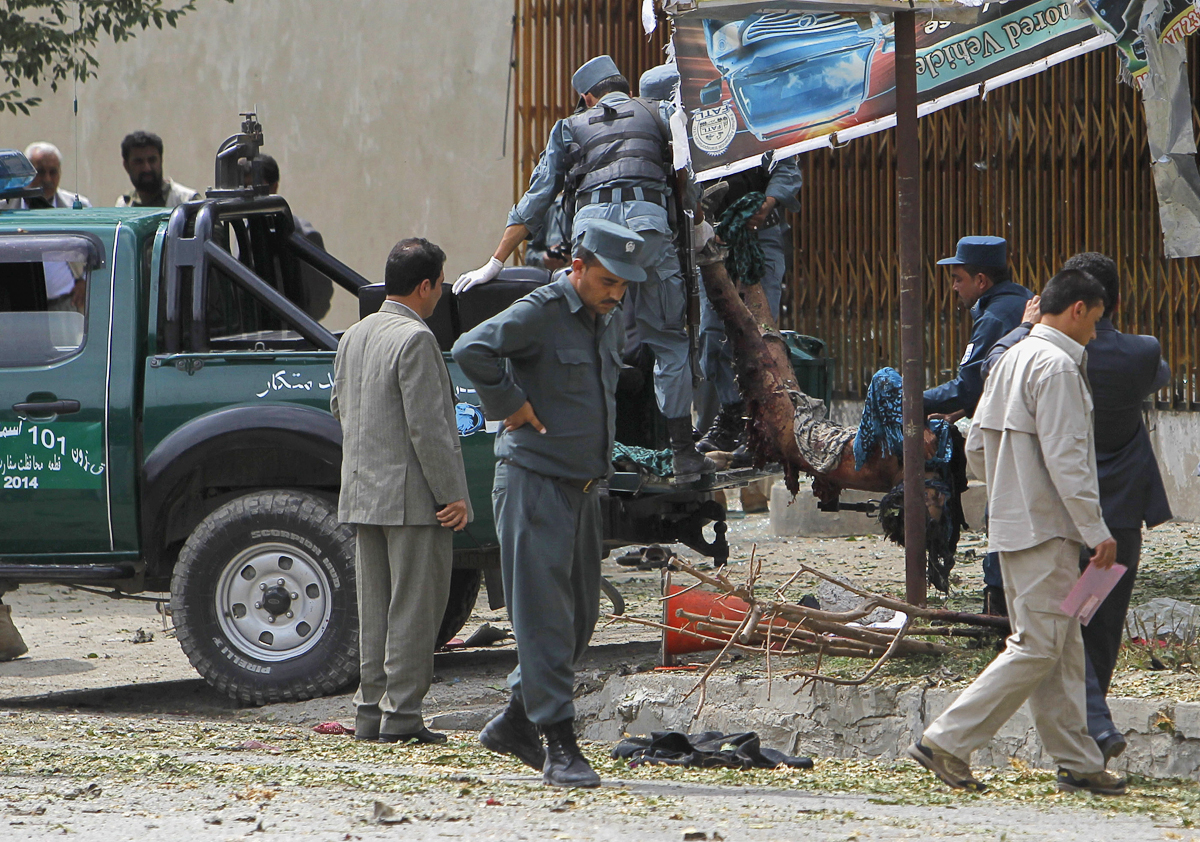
(1091, 589)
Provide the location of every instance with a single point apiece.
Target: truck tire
(464, 590)
(264, 601)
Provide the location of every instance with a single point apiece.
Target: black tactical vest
(610, 143)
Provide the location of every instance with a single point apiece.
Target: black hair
(997, 274)
(1104, 269)
(610, 84)
(942, 533)
(270, 168)
(133, 140)
(586, 255)
(1070, 286)
(410, 262)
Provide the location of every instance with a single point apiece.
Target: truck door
(54, 361)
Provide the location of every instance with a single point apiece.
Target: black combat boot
(994, 602)
(512, 733)
(565, 764)
(725, 431)
(687, 463)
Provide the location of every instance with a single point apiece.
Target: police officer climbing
(612, 161)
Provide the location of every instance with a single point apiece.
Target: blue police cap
(659, 82)
(586, 77)
(618, 248)
(979, 251)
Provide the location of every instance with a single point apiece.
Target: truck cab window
(43, 298)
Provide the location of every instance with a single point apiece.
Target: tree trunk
(765, 378)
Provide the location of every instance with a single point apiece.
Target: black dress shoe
(565, 764)
(424, 736)
(1111, 744)
(512, 733)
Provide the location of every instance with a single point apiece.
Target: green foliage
(54, 40)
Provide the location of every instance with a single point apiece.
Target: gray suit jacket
(401, 454)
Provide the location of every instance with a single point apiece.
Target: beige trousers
(1042, 662)
(403, 584)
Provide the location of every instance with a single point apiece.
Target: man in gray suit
(1123, 369)
(403, 486)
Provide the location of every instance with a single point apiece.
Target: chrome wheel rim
(273, 602)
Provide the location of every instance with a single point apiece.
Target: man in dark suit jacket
(404, 486)
(1123, 369)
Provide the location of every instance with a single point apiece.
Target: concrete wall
(1176, 439)
(386, 116)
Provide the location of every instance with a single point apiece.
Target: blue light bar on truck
(15, 173)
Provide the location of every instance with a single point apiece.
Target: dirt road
(114, 739)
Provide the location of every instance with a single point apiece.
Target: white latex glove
(482, 275)
(701, 233)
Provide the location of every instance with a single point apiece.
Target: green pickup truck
(174, 433)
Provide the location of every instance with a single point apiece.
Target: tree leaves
(54, 40)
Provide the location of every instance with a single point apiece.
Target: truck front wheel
(263, 598)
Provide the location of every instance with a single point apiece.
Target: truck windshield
(43, 297)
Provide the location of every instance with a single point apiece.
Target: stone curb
(870, 721)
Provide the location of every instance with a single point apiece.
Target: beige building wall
(386, 116)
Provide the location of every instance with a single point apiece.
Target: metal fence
(1057, 164)
(552, 39)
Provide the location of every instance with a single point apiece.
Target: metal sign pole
(912, 301)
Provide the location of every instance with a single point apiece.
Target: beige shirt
(1032, 439)
(172, 195)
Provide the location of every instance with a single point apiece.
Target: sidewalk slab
(825, 720)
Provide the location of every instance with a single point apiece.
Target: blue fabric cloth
(882, 423)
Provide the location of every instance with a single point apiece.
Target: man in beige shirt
(1032, 438)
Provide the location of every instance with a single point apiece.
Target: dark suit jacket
(1124, 369)
(996, 312)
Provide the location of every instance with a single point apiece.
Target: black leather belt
(615, 195)
(584, 485)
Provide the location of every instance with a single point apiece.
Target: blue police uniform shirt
(996, 312)
(549, 349)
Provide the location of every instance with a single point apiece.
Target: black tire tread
(302, 509)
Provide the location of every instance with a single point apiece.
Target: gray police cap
(618, 248)
(586, 77)
(659, 82)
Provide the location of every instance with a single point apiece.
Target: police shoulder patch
(469, 418)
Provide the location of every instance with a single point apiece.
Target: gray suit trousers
(1042, 662)
(403, 585)
(550, 538)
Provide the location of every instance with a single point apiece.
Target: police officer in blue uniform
(980, 272)
(979, 269)
(548, 367)
(613, 159)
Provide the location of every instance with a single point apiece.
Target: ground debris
(92, 790)
(386, 814)
(142, 636)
